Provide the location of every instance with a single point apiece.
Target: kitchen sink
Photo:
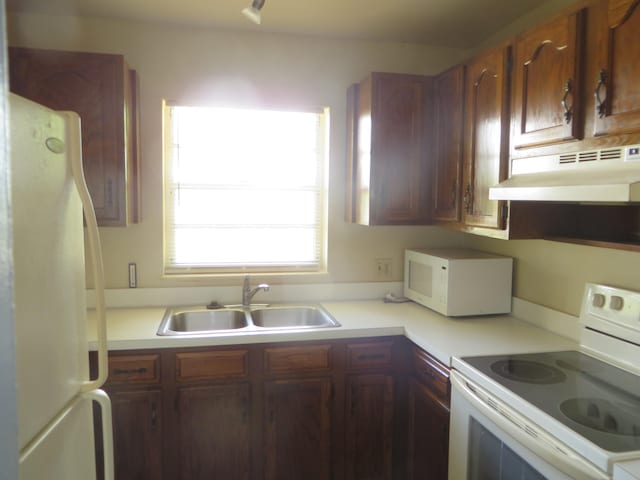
(176, 322)
(292, 317)
(225, 321)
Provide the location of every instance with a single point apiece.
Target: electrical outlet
(383, 268)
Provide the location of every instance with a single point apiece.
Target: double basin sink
(203, 321)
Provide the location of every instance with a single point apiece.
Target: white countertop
(443, 337)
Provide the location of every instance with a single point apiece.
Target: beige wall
(196, 64)
(554, 274)
(201, 65)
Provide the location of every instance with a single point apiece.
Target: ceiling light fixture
(253, 12)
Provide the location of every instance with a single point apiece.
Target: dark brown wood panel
(486, 145)
(211, 364)
(370, 355)
(432, 373)
(547, 83)
(449, 92)
(137, 434)
(369, 427)
(98, 87)
(214, 432)
(297, 429)
(388, 179)
(133, 369)
(617, 88)
(310, 358)
(428, 434)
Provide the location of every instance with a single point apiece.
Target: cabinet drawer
(369, 355)
(297, 359)
(216, 364)
(432, 374)
(134, 369)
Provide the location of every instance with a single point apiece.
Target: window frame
(173, 270)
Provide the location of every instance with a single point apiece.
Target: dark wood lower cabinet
(297, 429)
(333, 410)
(369, 427)
(214, 432)
(428, 434)
(137, 434)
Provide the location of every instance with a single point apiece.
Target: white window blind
(244, 190)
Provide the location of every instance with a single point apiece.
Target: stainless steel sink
(225, 321)
(292, 317)
(200, 321)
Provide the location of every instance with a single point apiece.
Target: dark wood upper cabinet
(616, 86)
(388, 167)
(448, 93)
(486, 139)
(104, 92)
(548, 83)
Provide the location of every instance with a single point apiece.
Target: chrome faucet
(247, 293)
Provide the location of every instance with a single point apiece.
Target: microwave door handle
(513, 424)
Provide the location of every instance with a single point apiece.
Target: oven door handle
(531, 437)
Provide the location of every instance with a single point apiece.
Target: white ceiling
(453, 23)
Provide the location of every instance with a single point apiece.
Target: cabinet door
(213, 432)
(486, 137)
(297, 429)
(428, 434)
(137, 434)
(617, 88)
(392, 173)
(448, 93)
(547, 83)
(369, 427)
(102, 90)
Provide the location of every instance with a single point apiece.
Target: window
(244, 190)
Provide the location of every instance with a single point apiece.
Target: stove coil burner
(603, 416)
(528, 371)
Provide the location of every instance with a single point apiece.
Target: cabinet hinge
(504, 213)
(509, 64)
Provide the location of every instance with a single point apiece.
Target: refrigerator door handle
(100, 397)
(95, 250)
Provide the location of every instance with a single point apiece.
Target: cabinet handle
(568, 111)
(109, 193)
(154, 415)
(453, 194)
(468, 196)
(129, 371)
(245, 410)
(600, 104)
(372, 356)
(353, 400)
(430, 374)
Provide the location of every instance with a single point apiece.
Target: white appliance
(55, 395)
(555, 415)
(607, 175)
(457, 282)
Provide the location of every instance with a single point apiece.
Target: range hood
(610, 175)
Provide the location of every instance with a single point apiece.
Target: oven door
(488, 440)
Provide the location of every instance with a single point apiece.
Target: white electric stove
(554, 415)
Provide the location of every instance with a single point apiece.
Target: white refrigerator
(54, 394)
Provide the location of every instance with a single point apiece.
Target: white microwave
(457, 282)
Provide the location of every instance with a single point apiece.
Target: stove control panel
(613, 304)
(612, 312)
